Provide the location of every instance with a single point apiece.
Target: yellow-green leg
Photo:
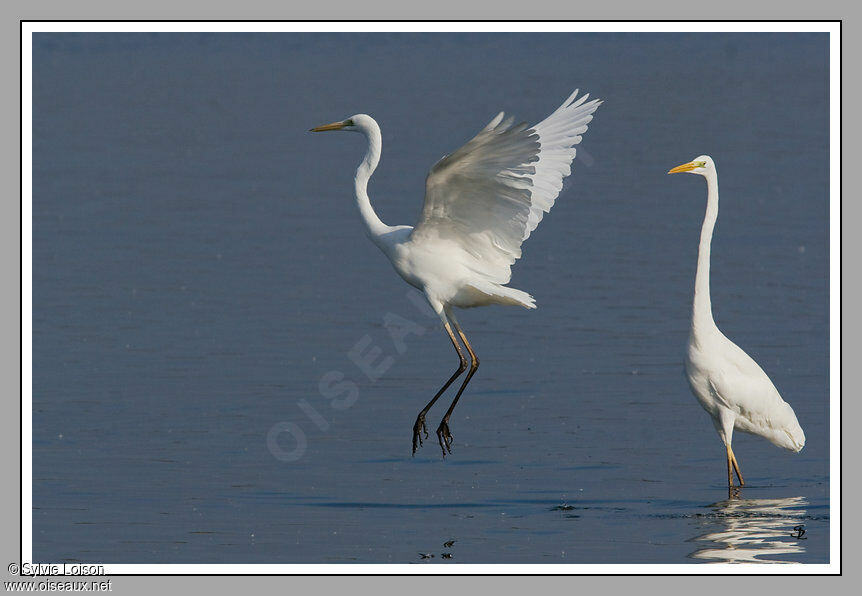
(729, 466)
(736, 467)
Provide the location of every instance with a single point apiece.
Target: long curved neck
(701, 315)
(373, 226)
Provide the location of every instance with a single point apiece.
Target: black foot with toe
(418, 429)
(445, 437)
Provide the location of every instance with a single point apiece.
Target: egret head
(702, 165)
(354, 123)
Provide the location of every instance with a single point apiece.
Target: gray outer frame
(383, 10)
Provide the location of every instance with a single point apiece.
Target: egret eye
(349, 122)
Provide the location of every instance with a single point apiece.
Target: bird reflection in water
(753, 531)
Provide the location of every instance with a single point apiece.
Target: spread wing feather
(490, 194)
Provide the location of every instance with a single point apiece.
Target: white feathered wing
(489, 195)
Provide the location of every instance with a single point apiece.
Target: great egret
(726, 381)
(481, 203)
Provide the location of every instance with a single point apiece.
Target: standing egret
(481, 203)
(726, 381)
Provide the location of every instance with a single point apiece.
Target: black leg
(419, 426)
(444, 436)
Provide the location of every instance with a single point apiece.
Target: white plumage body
(450, 275)
(734, 388)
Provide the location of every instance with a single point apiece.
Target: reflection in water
(753, 530)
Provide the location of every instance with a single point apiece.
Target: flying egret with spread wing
(726, 381)
(481, 203)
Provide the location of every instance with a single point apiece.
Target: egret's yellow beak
(686, 167)
(325, 127)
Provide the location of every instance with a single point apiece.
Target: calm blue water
(202, 285)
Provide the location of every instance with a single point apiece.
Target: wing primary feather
(492, 192)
